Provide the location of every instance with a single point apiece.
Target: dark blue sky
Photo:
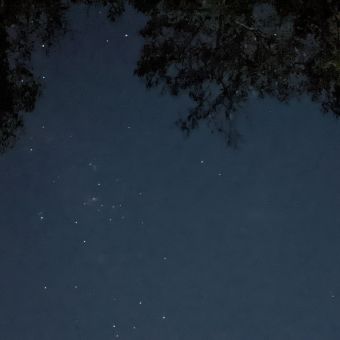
(116, 225)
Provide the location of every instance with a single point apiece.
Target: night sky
(115, 224)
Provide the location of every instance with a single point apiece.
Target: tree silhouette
(219, 52)
(24, 25)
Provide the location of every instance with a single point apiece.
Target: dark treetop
(218, 52)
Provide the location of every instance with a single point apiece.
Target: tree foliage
(219, 52)
(24, 25)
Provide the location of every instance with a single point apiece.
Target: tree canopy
(219, 52)
(24, 25)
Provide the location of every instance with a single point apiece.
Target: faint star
(93, 166)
